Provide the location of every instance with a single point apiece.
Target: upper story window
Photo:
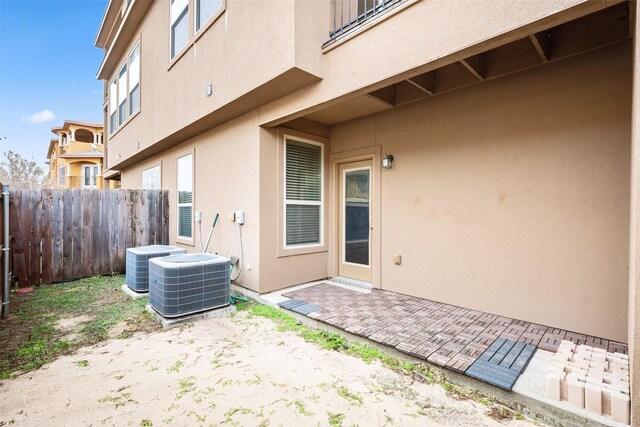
(179, 25)
(125, 87)
(134, 79)
(151, 178)
(185, 196)
(205, 9)
(113, 105)
(303, 193)
(122, 94)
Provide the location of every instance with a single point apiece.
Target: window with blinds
(185, 196)
(303, 193)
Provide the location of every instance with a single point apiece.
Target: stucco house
(477, 153)
(75, 157)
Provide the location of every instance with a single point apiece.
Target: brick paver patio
(444, 334)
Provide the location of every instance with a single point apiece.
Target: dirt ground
(234, 371)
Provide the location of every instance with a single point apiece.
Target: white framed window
(113, 105)
(303, 193)
(125, 84)
(134, 79)
(151, 178)
(90, 176)
(179, 26)
(122, 94)
(205, 9)
(62, 174)
(185, 196)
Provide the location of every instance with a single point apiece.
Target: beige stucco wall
(512, 196)
(424, 36)
(226, 171)
(634, 235)
(247, 48)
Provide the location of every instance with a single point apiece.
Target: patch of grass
(30, 337)
(463, 393)
(185, 386)
(332, 341)
(353, 398)
(228, 416)
(500, 413)
(82, 363)
(146, 423)
(118, 400)
(301, 407)
(176, 366)
(335, 420)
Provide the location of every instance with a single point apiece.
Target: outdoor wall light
(387, 161)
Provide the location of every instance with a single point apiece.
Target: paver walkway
(444, 334)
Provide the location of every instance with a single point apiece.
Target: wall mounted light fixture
(387, 161)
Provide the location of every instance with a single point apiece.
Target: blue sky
(48, 66)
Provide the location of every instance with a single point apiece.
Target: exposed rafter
(475, 65)
(425, 82)
(386, 95)
(542, 43)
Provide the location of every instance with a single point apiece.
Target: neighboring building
(76, 157)
(511, 125)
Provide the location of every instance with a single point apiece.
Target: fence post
(5, 251)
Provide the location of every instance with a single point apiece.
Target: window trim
(130, 115)
(195, 36)
(90, 166)
(66, 173)
(157, 165)
(205, 25)
(303, 202)
(181, 13)
(123, 69)
(284, 250)
(129, 90)
(183, 239)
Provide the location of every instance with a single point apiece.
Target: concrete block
(585, 348)
(606, 401)
(621, 386)
(621, 356)
(622, 366)
(596, 365)
(553, 386)
(576, 393)
(564, 389)
(620, 407)
(593, 398)
(562, 357)
(595, 379)
(598, 350)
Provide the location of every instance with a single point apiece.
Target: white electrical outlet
(198, 216)
(240, 217)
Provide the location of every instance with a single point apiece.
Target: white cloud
(41, 116)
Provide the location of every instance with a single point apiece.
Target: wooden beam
(475, 65)
(386, 95)
(542, 43)
(408, 92)
(425, 82)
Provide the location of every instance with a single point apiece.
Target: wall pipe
(5, 251)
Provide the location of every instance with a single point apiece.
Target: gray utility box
(137, 268)
(190, 283)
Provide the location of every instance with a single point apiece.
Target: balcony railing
(349, 14)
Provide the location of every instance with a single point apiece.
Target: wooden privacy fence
(59, 235)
